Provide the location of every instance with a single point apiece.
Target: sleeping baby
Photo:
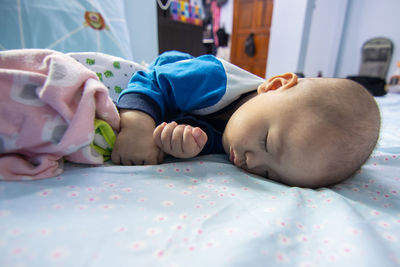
(310, 132)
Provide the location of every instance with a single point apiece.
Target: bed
(205, 212)
(198, 212)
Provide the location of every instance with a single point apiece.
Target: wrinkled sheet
(205, 212)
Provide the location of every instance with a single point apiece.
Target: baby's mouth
(231, 155)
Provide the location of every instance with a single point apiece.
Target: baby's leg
(180, 140)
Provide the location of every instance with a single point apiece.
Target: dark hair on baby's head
(351, 120)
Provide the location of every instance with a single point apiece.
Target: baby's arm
(135, 144)
(180, 140)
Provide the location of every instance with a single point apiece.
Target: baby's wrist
(136, 118)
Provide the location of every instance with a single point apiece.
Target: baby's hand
(135, 144)
(179, 140)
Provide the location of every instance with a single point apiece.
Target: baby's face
(272, 136)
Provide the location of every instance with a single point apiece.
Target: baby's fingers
(200, 136)
(162, 135)
(194, 140)
(177, 140)
(157, 134)
(189, 145)
(166, 136)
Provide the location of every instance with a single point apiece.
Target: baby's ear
(283, 81)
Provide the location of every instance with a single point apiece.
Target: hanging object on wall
(223, 37)
(221, 2)
(186, 12)
(249, 46)
(95, 21)
(162, 5)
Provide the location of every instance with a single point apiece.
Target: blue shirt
(186, 89)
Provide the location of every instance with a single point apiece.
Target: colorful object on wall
(95, 21)
(186, 12)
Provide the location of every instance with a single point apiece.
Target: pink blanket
(48, 103)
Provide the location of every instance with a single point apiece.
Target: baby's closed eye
(264, 143)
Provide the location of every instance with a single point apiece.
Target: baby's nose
(239, 162)
(253, 160)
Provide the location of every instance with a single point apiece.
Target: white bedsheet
(206, 212)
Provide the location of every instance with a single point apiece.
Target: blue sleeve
(169, 57)
(175, 83)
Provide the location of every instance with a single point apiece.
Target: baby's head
(309, 132)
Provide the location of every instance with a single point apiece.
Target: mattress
(206, 212)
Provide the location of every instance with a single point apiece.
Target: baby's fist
(180, 140)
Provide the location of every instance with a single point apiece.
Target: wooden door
(251, 16)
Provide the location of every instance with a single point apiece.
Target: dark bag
(249, 46)
(375, 85)
(221, 2)
(223, 37)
